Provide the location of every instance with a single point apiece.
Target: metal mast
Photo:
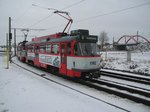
(25, 31)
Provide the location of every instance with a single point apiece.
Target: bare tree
(103, 39)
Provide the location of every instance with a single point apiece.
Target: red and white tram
(73, 55)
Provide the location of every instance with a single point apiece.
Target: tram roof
(89, 38)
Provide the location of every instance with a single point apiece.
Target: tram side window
(18, 48)
(42, 49)
(32, 49)
(48, 48)
(55, 48)
(77, 49)
(28, 49)
(69, 48)
(37, 49)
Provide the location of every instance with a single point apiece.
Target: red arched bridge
(130, 40)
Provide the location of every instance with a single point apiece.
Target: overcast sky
(94, 15)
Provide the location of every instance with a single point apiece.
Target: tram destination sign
(90, 38)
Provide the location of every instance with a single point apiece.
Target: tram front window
(85, 49)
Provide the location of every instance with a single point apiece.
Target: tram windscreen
(85, 49)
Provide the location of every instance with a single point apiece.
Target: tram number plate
(93, 63)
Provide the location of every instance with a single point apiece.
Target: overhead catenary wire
(42, 7)
(41, 20)
(114, 12)
(105, 14)
(88, 18)
(22, 15)
(76, 3)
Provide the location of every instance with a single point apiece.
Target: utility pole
(15, 42)
(10, 38)
(7, 52)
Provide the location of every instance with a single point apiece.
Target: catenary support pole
(15, 41)
(10, 38)
(7, 52)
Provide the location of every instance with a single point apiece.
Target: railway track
(137, 73)
(140, 91)
(119, 90)
(139, 79)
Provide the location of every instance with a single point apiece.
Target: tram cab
(82, 59)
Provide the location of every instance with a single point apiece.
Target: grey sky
(24, 15)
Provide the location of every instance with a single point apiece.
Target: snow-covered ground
(140, 61)
(22, 91)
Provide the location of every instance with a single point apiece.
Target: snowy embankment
(22, 91)
(140, 61)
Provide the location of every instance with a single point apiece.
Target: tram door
(63, 69)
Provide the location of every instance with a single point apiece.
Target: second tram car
(21, 51)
